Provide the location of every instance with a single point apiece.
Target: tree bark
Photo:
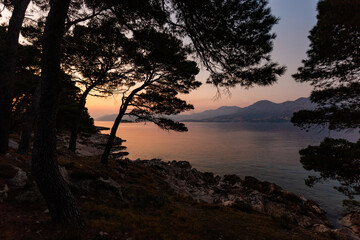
(7, 72)
(29, 124)
(123, 108)
(62, 206)
(77, 119)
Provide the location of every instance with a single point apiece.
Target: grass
(148, 209)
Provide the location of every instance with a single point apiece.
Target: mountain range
(261, 111)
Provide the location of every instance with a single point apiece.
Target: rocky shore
(161, 181)
(248, 194)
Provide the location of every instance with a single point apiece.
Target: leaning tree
(159, 71)
(232, 39)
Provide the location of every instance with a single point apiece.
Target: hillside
(265, 111)
(261, 111)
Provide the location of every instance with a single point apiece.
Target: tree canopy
(334, 159)
(231, 38)
(158, 71)
(333, 67)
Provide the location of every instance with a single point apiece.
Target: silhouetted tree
(230, 37)
(25, 79)
(160, 70)
(7, 71)
(95, 57)
(79, 11)
(334, 159)
(333, 68)
(62, 206)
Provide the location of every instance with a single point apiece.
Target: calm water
(268, 151)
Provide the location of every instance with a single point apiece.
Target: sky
(296, 20)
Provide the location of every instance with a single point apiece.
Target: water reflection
(268, 151)
(336, 159)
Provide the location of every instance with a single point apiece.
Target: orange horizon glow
(296, 20)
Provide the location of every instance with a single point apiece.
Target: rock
(4, 193)
(290, 196)
(210, 179)
(246, 195)
(251, 182)
(181, 164)
(83, 186)
(13, 144)
(7, 171)
(272, 188)
(314, 207)
(321, 228)
(20, 178)
(111, 185)
(65, 175)
(232, 179)
(30, 196)
(241, 205)
(352, 221)
(304, 221)
(256, 201)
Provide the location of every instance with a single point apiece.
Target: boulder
(321, 228)
(352, 222)
(251, 182)
(20, 178)
(232, 179)
(13, 144)
(4, 193)
(181, 164)
(32, 195)
(65, 175)
(290, 196)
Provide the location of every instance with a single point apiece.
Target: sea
(267, 151)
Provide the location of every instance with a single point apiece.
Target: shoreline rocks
(248, 193)
(352, 222)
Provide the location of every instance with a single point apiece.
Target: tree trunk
(77, 119)
(62, 206)
(29, 124)
(123, 108)
(110, 142)
(7, 71)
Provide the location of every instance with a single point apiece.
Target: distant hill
(261, 111)
(208, 114)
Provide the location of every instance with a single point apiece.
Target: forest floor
(129, 201)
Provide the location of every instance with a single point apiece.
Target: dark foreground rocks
(248, 194)
(153, 199)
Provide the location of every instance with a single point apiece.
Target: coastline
(176, 179)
